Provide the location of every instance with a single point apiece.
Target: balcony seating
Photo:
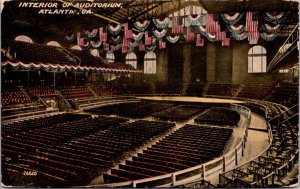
(87, 59)
(42, 91)
(274, 163)
(256, 91)
(194, 89)
(286, 94)
(31, 52)
(222, 89)
(75, 92)
(12, 96)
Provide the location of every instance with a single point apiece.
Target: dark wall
(175, 58)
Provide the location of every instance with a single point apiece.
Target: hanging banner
(141, 26)
(160, 34)
(61, 68)
(96, 43)
(70, 37)
(276, 17)
(232, 18)
(114, 30)
(161, 23)
(240, 36)
(137, 37)
(196, 20)
(173, 39)
(268, 36)
(91, 33)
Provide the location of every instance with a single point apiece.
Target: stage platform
(190, 99)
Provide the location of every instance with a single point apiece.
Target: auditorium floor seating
(179, 113)
(132, 110)
(219, 116)
(189, 146)
(67, 152)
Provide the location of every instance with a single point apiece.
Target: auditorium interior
(152, 93)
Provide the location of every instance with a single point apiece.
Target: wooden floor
(189, 99)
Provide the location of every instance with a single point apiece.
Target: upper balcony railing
(288, 46)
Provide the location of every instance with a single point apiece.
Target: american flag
(127, 31)
(250, 24)
(220, 36)
(148, 39)
(80, 41)
(199, 41)
(211, 25)
(162, 44)
(253, 26)
(248, 20)
(124, 50)
(226, 42)
(190, 36)
(102, 34)
(177, 26)
(141, 46)
(105, 46)
(253, 37)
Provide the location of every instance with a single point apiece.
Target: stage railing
(196, 173)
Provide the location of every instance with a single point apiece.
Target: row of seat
(30, 124)
(13, 95)
(219, 116)
(286, 94)
(189, 146)
(79, 91)
(222, 89)
(275, 163)
(42, 91)
(75, 152)
(133, 110)
(256, 91)
(179, 112)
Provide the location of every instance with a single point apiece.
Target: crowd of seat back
(286, 94)
(23, 126)
(278, 160)
(219, 116)
(42, 91)
(121, 139)
(222, 89)
(133, 110)
(179, 113)
(31, 52)
(120, 66)
(194, 89)
(103, 90)
(169, 89)
(87, 59)
(256, 91)
(55, 151)
(74, 92)
(12, 96)
(187, 147)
